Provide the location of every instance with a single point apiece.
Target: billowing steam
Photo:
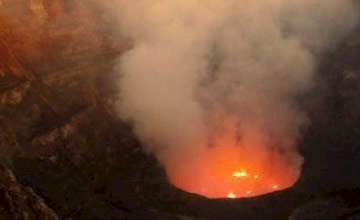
(211, 85)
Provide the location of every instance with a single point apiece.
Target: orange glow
(231, 195)
(232, 170)
(240, 174)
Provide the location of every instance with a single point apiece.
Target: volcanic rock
(19, 202)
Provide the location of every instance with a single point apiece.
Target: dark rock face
(60, 135)
(334, 131)
(19, 202)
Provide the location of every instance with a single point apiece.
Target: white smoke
(203, 69)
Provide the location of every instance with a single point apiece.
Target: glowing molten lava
(230, 170)
(231, 195)
(240, 174)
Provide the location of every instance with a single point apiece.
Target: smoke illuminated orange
(230, 170)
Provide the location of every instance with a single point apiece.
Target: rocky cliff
(19, 202)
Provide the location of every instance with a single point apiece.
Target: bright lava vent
(231, 171)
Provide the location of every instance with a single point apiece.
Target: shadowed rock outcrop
(19, 202)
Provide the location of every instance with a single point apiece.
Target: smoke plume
(212, 79)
